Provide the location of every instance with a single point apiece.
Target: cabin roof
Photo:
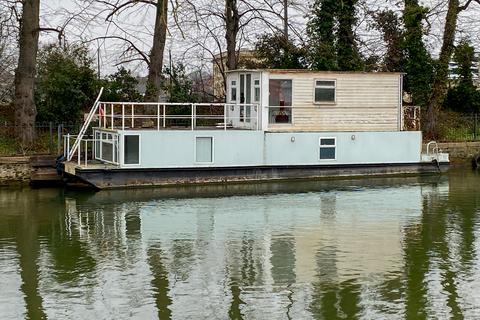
(299, 71)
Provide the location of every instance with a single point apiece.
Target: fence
(49, 137)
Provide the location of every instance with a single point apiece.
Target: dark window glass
(327, 142)
(324, 95)
(132, 150)
(327, 153)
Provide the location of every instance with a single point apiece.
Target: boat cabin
(300, 100)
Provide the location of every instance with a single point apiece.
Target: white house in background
(453, 72)
(275, 124)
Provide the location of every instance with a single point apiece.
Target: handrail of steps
(85, 126)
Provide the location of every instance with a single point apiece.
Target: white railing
(159, 116)
(90, 149)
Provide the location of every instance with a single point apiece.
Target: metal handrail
(85, 126)
(435, 149)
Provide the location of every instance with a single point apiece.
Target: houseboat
(274, 124)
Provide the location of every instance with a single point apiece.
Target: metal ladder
(85, 126)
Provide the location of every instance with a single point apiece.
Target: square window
(325, 91)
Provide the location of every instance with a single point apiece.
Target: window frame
(320, 147)
(292, 121)
(231, 87)
(315, 87)
(195, 150)
(255, 87)
(139, 150)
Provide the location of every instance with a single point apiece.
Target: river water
(396, 248)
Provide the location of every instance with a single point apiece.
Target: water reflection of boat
(226, 190)
(268, 251)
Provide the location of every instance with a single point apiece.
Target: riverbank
(460, 152)
(25, 169)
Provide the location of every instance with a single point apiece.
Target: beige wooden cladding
(364, 102)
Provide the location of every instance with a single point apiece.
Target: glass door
(246, 89)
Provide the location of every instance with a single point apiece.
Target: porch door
(246, 89)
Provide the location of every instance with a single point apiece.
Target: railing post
(193, 107)
(164, 119)
(111, 105)
(225, 117)
(86, 153)
(68, 145)
(258, 117)
(100, 115)
(158, 116)
(123, 116)
(79, 151)
(133, 118)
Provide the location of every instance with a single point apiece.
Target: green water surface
(396, 248)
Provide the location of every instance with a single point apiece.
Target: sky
(189, 44)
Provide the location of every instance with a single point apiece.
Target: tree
(389, 24)
(178, 85)
(348, 57)
(121, 86)
(155, 65)
(418, 63)
(321, 34)
(441, 73)
(66, 83)
(24, 102)
(464, 97)
(132, 51)
(277, 52)
(331, 37)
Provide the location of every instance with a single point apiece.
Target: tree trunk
(154, 81)
(232, 21)
(24, 103)
(285, 19)
(441, 76)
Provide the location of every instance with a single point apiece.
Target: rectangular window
(107, 151)
(256, 90)
(204, 150)
(131, 150)
(280, 93)
(328, 148)
(325, 91)
(233, 91)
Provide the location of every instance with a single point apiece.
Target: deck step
(45, 176)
